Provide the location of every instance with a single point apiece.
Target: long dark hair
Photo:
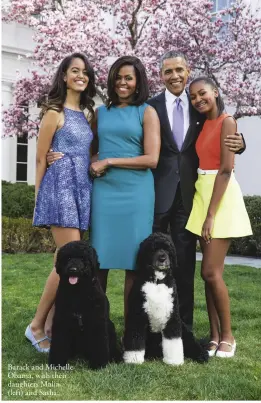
(142, 87)
(209, 81)
(58, 91)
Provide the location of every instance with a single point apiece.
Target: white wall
(248, 165)
(8, 148)
(16, 41)
(254, 3)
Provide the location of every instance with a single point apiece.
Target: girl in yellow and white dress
(218, 213)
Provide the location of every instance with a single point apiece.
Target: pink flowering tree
(226, 46)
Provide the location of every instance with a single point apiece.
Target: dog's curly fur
(155, 334)
(81, 324)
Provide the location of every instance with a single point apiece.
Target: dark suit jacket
(175, 166)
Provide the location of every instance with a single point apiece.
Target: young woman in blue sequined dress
(63, 191)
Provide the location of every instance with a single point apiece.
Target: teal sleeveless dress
(122, 206)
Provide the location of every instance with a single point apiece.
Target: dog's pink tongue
(73, 280)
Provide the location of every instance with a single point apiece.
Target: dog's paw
(173, 351)
(196, 353)
(117, 357)
(134, 357)
(202, 356)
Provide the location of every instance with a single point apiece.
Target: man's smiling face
(174, 74)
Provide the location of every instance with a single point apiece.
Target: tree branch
(238, 115)
(101, 95)
(133, 25)
(147, 18)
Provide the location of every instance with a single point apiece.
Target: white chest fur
(158, 304)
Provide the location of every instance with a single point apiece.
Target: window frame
(22, 141)
(216, 8)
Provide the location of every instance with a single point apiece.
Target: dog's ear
(140, 256)
(60, 259)
(144, 252)
(173, 258)
(64, 253)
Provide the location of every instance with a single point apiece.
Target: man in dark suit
(176, 173)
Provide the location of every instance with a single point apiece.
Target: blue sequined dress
(64, 194)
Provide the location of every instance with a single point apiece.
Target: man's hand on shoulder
(235, 142)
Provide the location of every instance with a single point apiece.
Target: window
(221, 5)
(22, 152)
(22, 158)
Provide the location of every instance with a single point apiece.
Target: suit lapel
(163, 116)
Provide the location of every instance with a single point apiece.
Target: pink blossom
(225, 46)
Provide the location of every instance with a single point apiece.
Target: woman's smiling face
(125, 83)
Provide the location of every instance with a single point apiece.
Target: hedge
(250, 245)
(18, 235)
(17, 200)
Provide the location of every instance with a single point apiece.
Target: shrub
(17, 200)
(18, 235)
(250, 245)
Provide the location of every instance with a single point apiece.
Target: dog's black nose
(73, 269)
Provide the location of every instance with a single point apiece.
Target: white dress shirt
(170, 101)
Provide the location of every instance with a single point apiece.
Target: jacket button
(177, 172)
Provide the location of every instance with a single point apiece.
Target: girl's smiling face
(76, 76)
(204, 97)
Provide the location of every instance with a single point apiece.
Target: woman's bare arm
(48, 127)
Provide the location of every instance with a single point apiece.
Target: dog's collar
(159, 281)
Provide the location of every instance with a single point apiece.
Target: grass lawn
(23, 278)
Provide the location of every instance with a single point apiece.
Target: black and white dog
(153, 325)
(81, 324)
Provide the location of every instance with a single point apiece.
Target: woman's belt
(207, 171)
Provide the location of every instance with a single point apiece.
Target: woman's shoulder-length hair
(142, 87)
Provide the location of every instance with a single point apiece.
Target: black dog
(153, 326)
(81, 324)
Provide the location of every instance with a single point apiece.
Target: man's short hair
(172, 54)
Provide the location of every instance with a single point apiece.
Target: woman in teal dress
(128, 140)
